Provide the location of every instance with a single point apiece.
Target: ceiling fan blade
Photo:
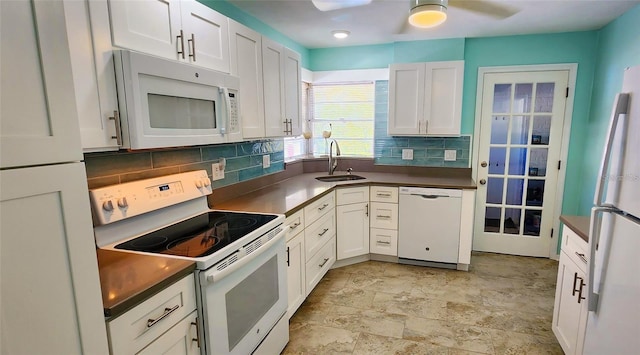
(485, 7)
(328, 5)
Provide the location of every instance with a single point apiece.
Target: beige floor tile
(382, 283)
(347, 296)
(317, 339)
(452, 335)
(410, 304)
(371, 344)
(369, 321)
(505, 342)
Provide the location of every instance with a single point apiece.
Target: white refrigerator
(613, 323)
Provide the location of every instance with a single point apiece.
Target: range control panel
(117, 202)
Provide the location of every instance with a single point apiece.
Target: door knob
(483, 164)
(483, 181)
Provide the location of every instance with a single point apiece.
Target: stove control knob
(122, 202)
(199, 184)
(107, 206)
(207, 182)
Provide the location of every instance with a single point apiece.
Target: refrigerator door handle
(621, 107)
(594, 241)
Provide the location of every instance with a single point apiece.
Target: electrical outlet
(450, 155)
(217, 171)
(407, 154)
(266, 161)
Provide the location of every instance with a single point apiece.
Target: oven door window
(250, 300)
(181, 112)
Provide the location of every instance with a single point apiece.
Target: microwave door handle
(621, 107)
(227, 107)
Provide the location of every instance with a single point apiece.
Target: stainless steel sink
(334, 178)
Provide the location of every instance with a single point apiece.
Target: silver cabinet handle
(381, 194)
(324, 262)
(294, 226)
(167, 312)
(192, 47)
(383, 217)
(197, 338)
(383, 242)
(323, 207)
(366, 212)
(324, 231)
(116, 122)
(582, 257)
(181, 38)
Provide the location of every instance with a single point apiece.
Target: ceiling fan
(428, 13)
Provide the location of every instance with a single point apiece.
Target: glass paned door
(521, 125)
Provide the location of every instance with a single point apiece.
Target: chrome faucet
(333, 163)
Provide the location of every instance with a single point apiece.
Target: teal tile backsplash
(243, 162)
(427, 151)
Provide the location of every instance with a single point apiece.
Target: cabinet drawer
(350, 195)
(295, 223)
(317, 208)
(384, 215)
(321, 263)
(575, 248)
(183, 335)
(318, 233)
(384, 194)
(141, 325)
(383, 241)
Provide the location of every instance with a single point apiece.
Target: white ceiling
(384, 21)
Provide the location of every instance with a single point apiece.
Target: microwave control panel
(234, 124)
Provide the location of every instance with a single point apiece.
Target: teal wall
(242, 17)
(618, 48)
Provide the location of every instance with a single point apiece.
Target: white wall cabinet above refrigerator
(425, 99)
(174, 29)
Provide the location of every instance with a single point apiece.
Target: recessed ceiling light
(340, 34)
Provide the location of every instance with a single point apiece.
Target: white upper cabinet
(425, 99)
(293, 91)
(39, 121)
(184, 30)
(245, 52)
(93, 74)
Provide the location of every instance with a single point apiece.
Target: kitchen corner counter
(127, 279)
(290, 195)
(578, 224)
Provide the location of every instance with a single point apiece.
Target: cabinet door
(295, 273)
(245, 51)
(443, 98)
(39, 122)
(182, 339)
(352, 230)
(568, 308)
(293, 92)
(150, 26)
(273, 81)
(50, 298)
(93, 73)
(406, 99)
(206, 36)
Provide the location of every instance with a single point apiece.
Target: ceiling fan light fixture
(340, 34)
(428, 13)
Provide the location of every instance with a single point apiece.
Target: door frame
(566, 132)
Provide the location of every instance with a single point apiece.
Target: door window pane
(501, 97)
(492, 219)
(541, 129)
(514, 192)
(497, 158)
(522, 99)
(517, 161)
(494, 190)
(520, 130)
(538, 161)
(535, 192)
(532, 220)
(544, 97)
(499, 127)
(512, 221)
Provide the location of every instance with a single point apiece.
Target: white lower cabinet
(352, 222)
(296, 262)
(570, 308)
(383, 241)
(384, 220)
(319, 264)
(160, 324)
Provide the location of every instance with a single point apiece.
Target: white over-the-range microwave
(164, 103)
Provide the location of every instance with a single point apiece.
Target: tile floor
(503, 305)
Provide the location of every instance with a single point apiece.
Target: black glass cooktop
(198, 236)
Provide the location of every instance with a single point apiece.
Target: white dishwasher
(429, 226)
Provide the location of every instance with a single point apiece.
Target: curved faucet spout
(333, 163)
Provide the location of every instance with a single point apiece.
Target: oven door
(243, 302)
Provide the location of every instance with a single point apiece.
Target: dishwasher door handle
(430, 197)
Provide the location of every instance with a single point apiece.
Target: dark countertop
(578, 224)
(289, 196)
(127, 279)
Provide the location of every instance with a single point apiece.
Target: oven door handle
(215, 275)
